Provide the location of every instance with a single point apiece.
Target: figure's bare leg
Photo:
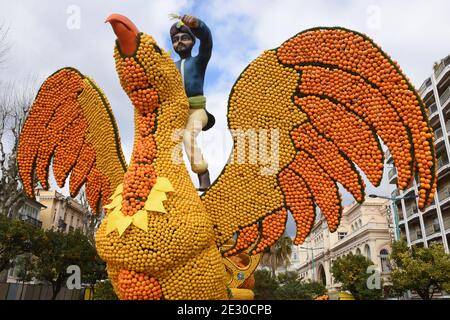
(197, 120)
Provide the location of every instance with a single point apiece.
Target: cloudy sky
(47, 35)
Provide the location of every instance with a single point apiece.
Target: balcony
(446, 223)
(432, 110)
(393, 175)
(438, 134)
(442, 162)
(444, 193)
(415, 235)
(432, 229)
(412, 210)
(441, 67)
(430, 208)
(427, 84)
(445, 97)
(31, 220)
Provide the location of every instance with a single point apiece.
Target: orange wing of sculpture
(71, 123)
(321, 102)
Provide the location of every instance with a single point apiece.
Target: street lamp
(394, 201)
(312, 263)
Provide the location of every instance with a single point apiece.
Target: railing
(444, 193)
(432, 109)
(432, 229)
(415, 235)
(447, 223)
(445, 96)
(438, 133)
(31, 220)
(411, 211)
(392, 173)
(424, 86)
(442, 162)
(441, 67)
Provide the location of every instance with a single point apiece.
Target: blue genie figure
(192, 69)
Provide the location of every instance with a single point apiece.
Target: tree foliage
(285, 286)
(61, 250)
(423, 270)
(104, 291)
(292, 288)
(17, 238)
(265, 285)
(352, 272)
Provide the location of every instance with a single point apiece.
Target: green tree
(104, 291)
(25, 269)
(278, 255)
(265, 285)
(16, 238)
(423, 270)
(293, 288)
(94, 271)
(352, 272)
(60, 251)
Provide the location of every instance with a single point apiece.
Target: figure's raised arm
(202, 32)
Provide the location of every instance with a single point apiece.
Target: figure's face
(182, 42)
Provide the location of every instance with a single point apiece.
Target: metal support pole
(396, 221)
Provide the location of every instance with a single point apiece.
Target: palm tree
(278, 255)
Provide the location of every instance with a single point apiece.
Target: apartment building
(432, 225)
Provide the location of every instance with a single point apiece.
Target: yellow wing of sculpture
(303, 116)
(71, 123)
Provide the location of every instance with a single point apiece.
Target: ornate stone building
(364, 229)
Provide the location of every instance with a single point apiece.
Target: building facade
(432, 225)
(61, 213)
(29, 211)
(364, 230)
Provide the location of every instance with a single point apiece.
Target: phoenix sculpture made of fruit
(327, 96)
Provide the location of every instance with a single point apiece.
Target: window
(367, 252)
(358, 251)
(384, 258)
(342, 235)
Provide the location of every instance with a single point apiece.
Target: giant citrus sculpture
(325, 95)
